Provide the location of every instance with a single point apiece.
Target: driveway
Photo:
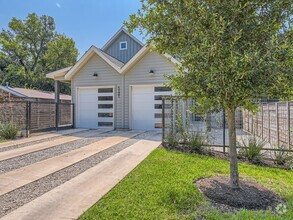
(59, 175)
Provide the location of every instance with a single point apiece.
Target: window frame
(123, 42)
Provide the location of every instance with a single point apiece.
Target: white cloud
(58, 5)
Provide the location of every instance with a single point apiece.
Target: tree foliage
(231, 52)
(31, 48)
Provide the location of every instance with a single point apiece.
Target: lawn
(162, 187)
(1, 140)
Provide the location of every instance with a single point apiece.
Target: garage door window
(162, 89)
(105, 90)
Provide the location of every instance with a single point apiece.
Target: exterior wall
(123, 55)
(107, 76)
(139, 75)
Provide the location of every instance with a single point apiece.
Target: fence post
(73, 115)
(27, 120)
(269, 122)
(56, 115)
(224, 131)
(262, 125)
(288, 124)
(163, 121)
(277, 122)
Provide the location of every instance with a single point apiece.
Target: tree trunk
(234, 175)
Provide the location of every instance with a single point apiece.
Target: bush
(196, 141)
(281, 157)
(251, 149)
(8, 130)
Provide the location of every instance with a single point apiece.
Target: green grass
(161, 187)
(1, 140)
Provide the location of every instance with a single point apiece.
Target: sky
(87, 22)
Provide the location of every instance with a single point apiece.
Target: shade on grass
(162, 187)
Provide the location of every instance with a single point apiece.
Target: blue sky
(88, 22)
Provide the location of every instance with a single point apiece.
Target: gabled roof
(118, 33)
(30, 93)
(67, 73)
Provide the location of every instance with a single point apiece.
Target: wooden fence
(273, 123)
(36, 116)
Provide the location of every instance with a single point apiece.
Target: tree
(31, 48)
(231, 52)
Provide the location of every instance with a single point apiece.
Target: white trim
(134, 59)
(58, 73)
(122, 42)
(93, 50)
(69, 72)
(96, 87)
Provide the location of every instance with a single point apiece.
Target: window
(105, 115)
(106, 124)
(123, 45)
(105, 90)
(158, 125)
(162, 89)
(105, 106)
(105, 98)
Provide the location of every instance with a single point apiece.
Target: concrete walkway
(70, 199)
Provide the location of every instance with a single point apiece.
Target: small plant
(281, 157)
(8, 130)
(251, 149)
(196, 141)
(171, 139)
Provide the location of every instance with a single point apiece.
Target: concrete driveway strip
(17, 178)
(71, 199)
(40, 137)
(44, 145)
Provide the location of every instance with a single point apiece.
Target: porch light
(95, 74)
(151, 72)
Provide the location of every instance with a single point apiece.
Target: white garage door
(147, 107)
(95, 108)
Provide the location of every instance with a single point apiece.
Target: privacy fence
(273, 123)
(37, 116)
(181, 117)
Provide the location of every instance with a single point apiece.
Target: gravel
(30, 158)
(20, 196)
(40, 141)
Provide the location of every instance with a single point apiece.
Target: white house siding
(139, 75)
(107, 76)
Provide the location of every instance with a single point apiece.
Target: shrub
(196, 141)
(171, 140)
(281, 157)
(8, 130)
(251, 149)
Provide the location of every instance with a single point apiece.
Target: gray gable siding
(123, 55)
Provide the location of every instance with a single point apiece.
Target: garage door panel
(146, 103)
(95, 108)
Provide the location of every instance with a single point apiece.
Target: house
(119, 86)
(20, 94)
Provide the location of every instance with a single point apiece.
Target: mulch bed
(252, 195)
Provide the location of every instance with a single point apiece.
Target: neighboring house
(20, 94)
(119, 86)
